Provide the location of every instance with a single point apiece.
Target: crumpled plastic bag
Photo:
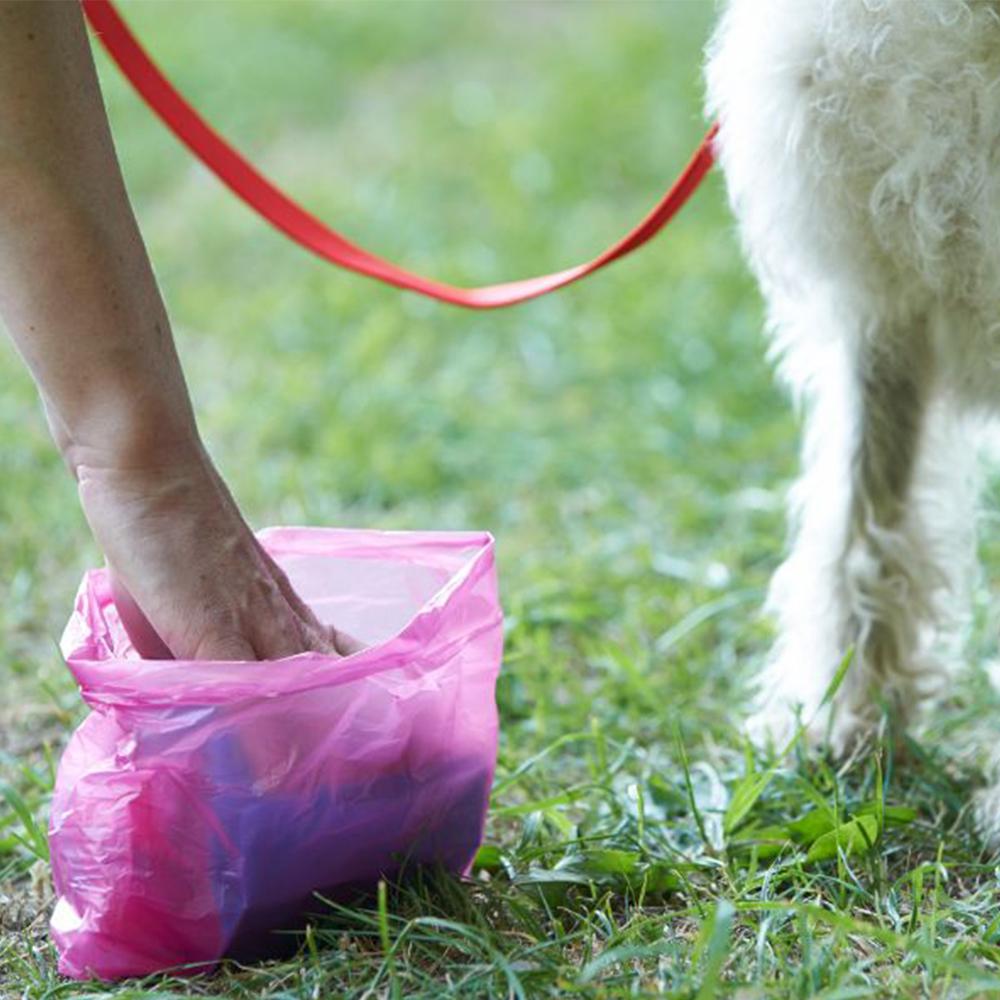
(201, 805)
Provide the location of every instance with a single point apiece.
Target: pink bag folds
(201, 805)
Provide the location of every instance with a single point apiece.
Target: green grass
(622, 440)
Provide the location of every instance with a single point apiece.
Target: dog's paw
(784, 716)
(773, 723)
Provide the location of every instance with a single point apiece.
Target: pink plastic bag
(201, 805)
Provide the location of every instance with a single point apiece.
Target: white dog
(860, 142)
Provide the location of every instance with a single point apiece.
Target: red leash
(281, 211)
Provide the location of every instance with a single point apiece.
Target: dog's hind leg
(866, 572)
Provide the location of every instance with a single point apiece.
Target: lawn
(624, 442)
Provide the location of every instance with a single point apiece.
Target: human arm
(79, 298)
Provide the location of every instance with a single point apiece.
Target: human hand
(176, 542)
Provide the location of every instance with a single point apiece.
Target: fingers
(267, 630)
(263, 626)
(296, 603)
(345, 643)
(287, 635)
(303, 637)
(270, 631)
(220, 646)
(314, 636)
(282, 624)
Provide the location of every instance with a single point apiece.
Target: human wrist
(137, 434)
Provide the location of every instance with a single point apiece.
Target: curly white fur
(860, 143)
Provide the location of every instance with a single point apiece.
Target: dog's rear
(861, 147)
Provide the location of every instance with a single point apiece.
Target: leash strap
(267, 199)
